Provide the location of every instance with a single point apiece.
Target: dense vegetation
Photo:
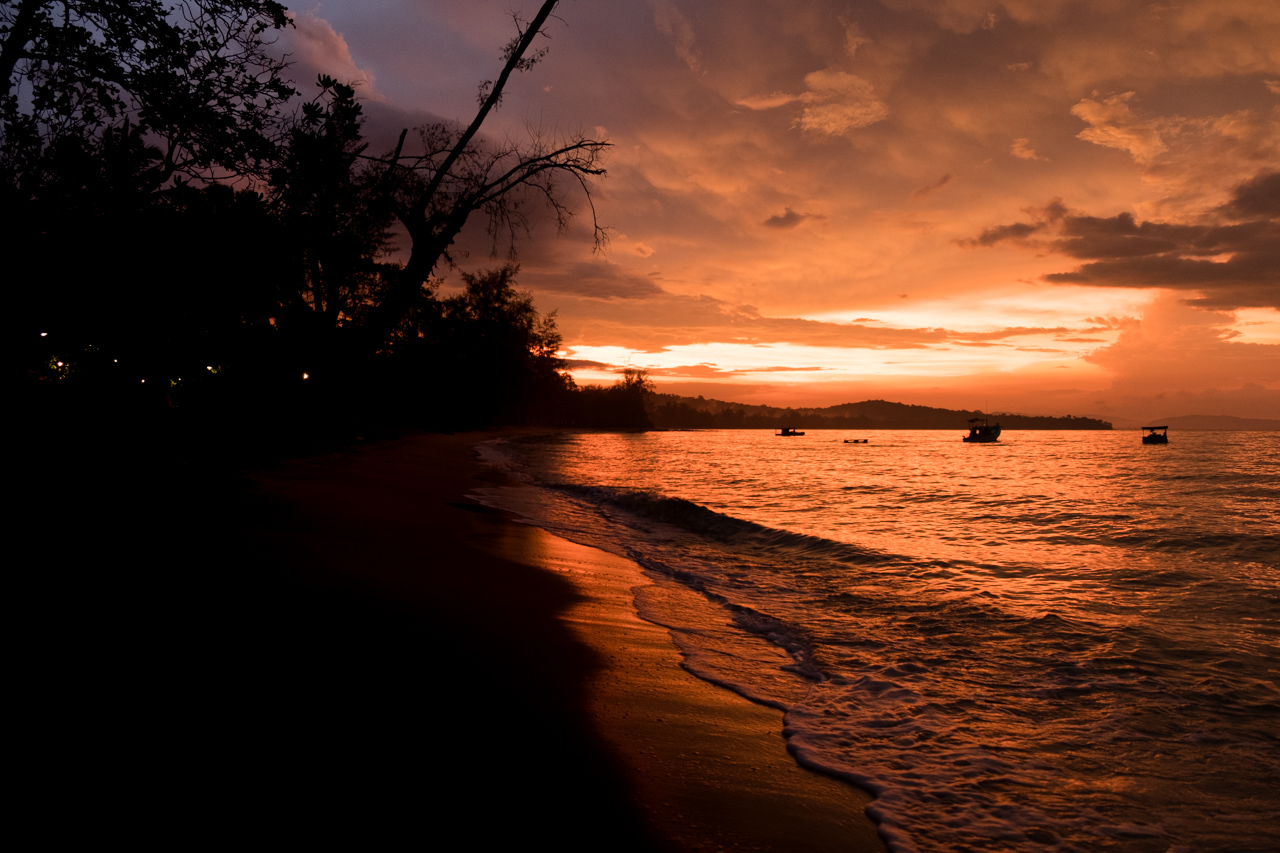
(188, 232)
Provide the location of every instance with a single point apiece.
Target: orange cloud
(838, 102)
(779, 167)
(1022, 149)
(1113, 123)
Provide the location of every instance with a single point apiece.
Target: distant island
(670, 411)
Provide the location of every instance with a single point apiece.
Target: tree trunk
(15, 45)
(428, 242)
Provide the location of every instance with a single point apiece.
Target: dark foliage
(150, 284)
(482, 357)
(622, 405)
(195, 79)
(169, 321)
(455, 173)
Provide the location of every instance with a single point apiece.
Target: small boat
(856, 440)
(789, 431)
(980, 431)
(1155, 435)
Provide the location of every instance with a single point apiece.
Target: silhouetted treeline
(622, 405)
(219, 250)
(669, 411)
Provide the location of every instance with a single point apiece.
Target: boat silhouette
(1155, 435)
(980, 431)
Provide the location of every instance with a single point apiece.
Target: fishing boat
(980, 431)
(856, 440)
(789, 431)
(1155, 435)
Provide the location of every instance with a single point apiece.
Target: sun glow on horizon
(794, 219)
(793, 364)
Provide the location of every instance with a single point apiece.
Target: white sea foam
(1064, 642)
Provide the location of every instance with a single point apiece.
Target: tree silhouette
(483, 356)
(333, 230)
(195, 80)
(433, 194)
(106, 105)
(622, 405)
(122, 123)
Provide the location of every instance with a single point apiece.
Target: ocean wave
(717, 526)
(1078, 657)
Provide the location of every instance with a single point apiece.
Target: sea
(1064, 640)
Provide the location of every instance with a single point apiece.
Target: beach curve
(658, 758)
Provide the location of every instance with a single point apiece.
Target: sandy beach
(536, 679)
(707, 768)
(345, 647)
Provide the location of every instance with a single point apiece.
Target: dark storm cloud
(1120, 237)
(1247, 280)
(1125, 253)
(1090, 237)
(1231, 264)
(1257, 197)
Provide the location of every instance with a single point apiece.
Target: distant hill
(1218, 422)
(670, 411)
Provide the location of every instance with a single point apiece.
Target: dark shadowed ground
(341, 648)
(198, 660)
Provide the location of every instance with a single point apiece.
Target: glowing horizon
(1074, 207)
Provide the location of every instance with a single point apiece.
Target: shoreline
(346, 648)
(662, 760)
(708, 766)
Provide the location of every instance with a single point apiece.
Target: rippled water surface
(1062, 641)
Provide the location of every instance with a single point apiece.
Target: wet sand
(708, 768)
(348, 649)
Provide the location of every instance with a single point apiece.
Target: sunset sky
(1035, 206)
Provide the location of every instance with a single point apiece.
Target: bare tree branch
(434, 193)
